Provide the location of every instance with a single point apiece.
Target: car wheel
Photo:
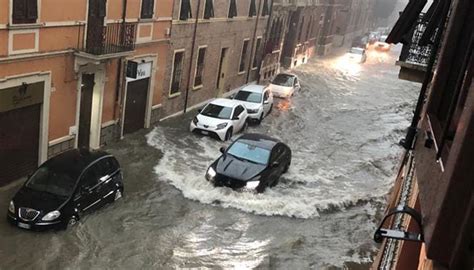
(228, 134)
(71, 222)
(245, 126)
(118, 194)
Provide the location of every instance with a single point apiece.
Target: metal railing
(109, 39)
(413, 52)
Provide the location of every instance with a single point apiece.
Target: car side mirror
(236, 118)
(232, 96)
(222, 149)
(199, 110)
(275, 164)
(266, 101)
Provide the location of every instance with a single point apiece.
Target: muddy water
(342, 127)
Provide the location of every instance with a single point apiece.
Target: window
(209, 9)
(200, 66)
(265, 10)
(243, 56)
(147, 9)
(256, 57)
(176, 73)
(238, 110)
(308, 30)
(185, 11)
(232, 9)
(300, 32)
(25, 11)
(252, 9)
(91, 176)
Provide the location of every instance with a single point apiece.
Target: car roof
(286, 73)
(73, 162)
(225, 102)
(259, 140)
(255, 88)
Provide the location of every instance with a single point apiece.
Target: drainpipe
(266, 36)
(253, 41)
(120, 72)
(196, 21)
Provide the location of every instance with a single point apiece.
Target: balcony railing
(110, 39)
(413, 52)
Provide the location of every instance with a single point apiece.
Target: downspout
(118, 94)
(266, 35)
(252, 55)
(192, 56)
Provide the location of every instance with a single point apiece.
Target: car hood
(251, 105)
(41, 201)
(279, 88)
(237, 169)
(210, 121)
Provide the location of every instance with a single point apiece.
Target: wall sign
(21, 96)
(143, 72)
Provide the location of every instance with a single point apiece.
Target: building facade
(63, 69)
(216, 46)
(430, 215)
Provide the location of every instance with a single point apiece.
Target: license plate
(24, 225)
(205, 132)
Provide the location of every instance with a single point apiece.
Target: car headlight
(211, 173)
(252, 110)
(221, 126)
(195, 120)
(11, 207)
(51, 216)
(252, 184)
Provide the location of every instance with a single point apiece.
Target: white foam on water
(298, 194)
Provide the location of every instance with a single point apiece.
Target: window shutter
(232, 9)
(185, 12)
(209, 10)
(19, 10)
(265, 8)
(147, 9)
(32, 10)
(101, 8)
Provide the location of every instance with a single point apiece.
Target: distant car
(357, 55)
(381, 45)
(251, 163)
(65, 188)
(284, 85)
(220, 118)
(257, 99)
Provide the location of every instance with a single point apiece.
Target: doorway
(85, 115)
(221, 75)
(135, 105)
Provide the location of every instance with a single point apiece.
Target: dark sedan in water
(252, 162)
(64, 188)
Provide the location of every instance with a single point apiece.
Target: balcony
(414, 57)
(105, 42)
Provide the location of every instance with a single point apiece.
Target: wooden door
(135, 105)
(95, 26)
(85, 114)
(221, 75)
(19, 142)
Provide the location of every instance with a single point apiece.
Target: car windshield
(249, 152)
(249, 96)
(283, 80)
(51, 181)
(357, 51)
(217, 111)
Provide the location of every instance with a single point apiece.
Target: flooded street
(342, 126)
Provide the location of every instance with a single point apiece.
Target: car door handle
(104, 178)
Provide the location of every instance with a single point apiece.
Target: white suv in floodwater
(220, 118)
(257, 99)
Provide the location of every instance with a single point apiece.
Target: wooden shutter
(253, 9)
(32, 10)
(265, 8)
(25, 11)
(209, 9)
(232, 9)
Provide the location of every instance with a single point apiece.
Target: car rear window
(283, 80)
(249, 152)
(249, 96)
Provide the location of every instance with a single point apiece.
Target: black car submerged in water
(64, 188)
(252, 162)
